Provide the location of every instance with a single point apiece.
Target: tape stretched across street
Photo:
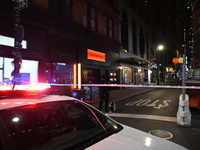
(128, 85)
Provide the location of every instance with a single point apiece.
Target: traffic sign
(22, 4)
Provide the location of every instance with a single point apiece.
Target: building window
(67, 8)
(124, 30)
(110, 2)
(59, 73)
(147, 45)
(85, 15)
(142, 42)
(108, 26)
(90, 76)
(93, 19)
(134, 37)
(61, 7)
(105, 25)
(133, 5)
(113, 77)
(89, 16)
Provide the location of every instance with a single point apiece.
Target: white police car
(64, 123)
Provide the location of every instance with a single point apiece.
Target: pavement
(120, 94)
(188, 137)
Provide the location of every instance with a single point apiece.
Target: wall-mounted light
(79, 75)
(75, 72)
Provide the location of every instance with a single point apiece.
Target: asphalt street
(186, 136)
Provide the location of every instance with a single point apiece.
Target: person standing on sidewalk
(104, 92)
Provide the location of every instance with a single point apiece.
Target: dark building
(62, 37)
(187, 34)
(78, 41)
(145, 25)
(196, 36)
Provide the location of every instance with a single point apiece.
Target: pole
(157, 73)
(19, 36)
(183, 114)
(183, 76)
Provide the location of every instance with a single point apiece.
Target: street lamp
(159, 48)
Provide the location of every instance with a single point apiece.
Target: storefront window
(128, 75)
(59, 73)
(145, 75)
(29, 74)
(113, 77)
(90, 76)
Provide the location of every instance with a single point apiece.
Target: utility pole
(19, 36)
(183, 114)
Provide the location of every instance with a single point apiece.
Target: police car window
(109, 124)
(16, 127)
(52, 125)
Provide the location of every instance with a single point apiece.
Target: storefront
(135, 75)
(98, 63)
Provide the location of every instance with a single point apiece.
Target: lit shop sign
(9, 41)
(95, 55)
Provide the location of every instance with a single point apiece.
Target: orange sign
(175, 60)
(95, 55)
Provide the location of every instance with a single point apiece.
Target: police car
(54, 122)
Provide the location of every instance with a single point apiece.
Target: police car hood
(133, 139)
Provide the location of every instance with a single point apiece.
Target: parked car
(64, 123)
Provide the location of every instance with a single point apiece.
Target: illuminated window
(29, 74)
(90, 76)
(113, 77)
(59, 73)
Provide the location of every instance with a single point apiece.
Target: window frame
(108, 26)
(89, 16)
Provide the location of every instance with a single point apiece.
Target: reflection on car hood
(133, 139)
